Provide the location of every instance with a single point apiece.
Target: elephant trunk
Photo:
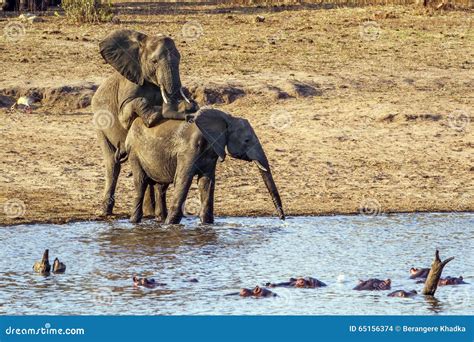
(171, 82)
(272, 189)
(257, 155)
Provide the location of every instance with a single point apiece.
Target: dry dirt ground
(359, 109)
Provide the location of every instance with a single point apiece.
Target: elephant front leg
(182, 186)
(161, 212)
(206, 190)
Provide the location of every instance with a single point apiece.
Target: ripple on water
(102, 257)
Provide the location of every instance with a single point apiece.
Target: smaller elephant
(43, 266)
(145, 282)
(402, 294)
(174, 152)
(451, 281)
(373, 284)
(257, 291)
(416, 273)
(308, 282)
(58, 267)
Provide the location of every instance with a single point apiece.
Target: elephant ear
(122, 50)
(214, 124)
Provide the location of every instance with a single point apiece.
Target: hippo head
(414, 271)
(245, 293)
(258, 291)
(300, 282)
(451, 281)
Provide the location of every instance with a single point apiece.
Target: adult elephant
(147, 84)
(175, 152)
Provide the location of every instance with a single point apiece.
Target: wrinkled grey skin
(147, 84)
(175, 152)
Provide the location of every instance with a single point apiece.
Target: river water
(236, 252)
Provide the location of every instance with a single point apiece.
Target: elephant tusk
(184, 96)
(163, 95)
(260, 166)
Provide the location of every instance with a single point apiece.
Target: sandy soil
(359, 109)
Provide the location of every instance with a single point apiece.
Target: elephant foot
(207, 220)
(107, 211)
(135, 218)
(173, 219)
(108, 207)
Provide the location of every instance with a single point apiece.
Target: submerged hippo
(145, 282)
(257, 291)
(308, 283)
(416, 273)
(43, 266)
(451, 281)
(58, 267)
(403, 294)
(373, 284)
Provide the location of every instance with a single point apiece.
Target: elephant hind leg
(160, 195)
(112, 171)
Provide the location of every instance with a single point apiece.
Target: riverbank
(354, 117)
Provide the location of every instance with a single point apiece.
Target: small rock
(259, 19)
(35, 19)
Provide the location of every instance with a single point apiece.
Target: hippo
(43, 266)
(373, 284)
(58, 267)
(145, 282)
(308, 283)
(403, 294)
(419, 273)
(258, 292)
(191, 280)
(451, 281)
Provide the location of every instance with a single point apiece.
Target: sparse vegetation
(87, 11)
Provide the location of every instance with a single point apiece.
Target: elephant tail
(120, 156)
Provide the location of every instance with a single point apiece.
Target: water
(101, 259)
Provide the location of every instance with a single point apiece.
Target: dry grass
(389, 130)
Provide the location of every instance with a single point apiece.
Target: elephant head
(140, 58)
(235, 136)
